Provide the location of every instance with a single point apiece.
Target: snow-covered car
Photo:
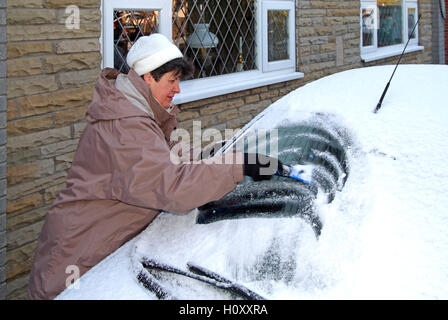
(373, 224)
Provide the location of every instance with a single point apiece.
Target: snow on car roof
(384, 234)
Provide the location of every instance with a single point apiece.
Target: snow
(385, 234)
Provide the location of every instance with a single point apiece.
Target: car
(372, 225)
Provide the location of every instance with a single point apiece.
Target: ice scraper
(299, 172)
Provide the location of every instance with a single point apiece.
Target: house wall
(51, 70)
(438, 42)
(2, 149)
(446, 31)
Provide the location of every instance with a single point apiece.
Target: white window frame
(107, 31)
(372, 53)
(197, 89)
(282, 64)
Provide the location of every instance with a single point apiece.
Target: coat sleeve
(146, 174)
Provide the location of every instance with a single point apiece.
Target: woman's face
(164, 89)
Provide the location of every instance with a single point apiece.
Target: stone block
(64, 162)
(19, 260)
(51, 192)
(79, 78)
(24, 16)
(29, 125)
(20, 49)
(187, 115)
(78, 128)
(24, 204)
(31, 85)
(30, 171)
(66, 3)
(24, 67)
(59, 148)
(227, 115)
(51, 32)
(37, 139)
(70, 116)
(16, 289)
(90, 15)
(36, 185)
(26, 4)
(22, 236)
(224, 105)
(57, 100)
(26, 219)
(81, 45)
(71, 62)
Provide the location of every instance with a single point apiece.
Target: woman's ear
(148, 78)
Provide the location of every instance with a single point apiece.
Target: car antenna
(378, 106)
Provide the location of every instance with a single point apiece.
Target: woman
(122, 176)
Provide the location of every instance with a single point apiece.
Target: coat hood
(109, 103)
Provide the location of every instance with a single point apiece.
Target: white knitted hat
(150, 52)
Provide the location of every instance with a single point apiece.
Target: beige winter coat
(121, 178)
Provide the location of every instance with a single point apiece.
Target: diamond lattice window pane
(218, 36)
(129, 25)
(278, 37)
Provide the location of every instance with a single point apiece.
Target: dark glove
(260, 167)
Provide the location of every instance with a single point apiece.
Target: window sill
(388, 52)
(192, 90)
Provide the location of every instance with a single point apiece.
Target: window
(386, 26)
(233, 44)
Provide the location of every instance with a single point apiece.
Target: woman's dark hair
(182, 67)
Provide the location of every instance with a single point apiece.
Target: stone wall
(2, 149)
(51, 70)
(446, 31)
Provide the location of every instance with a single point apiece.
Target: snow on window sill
(388, 52)
(192, 90)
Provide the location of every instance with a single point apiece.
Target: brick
(30, 85)
(71, 62)
(30, 16)
(37, 139)
(26, 48)
(24, 204)
(29, 125)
